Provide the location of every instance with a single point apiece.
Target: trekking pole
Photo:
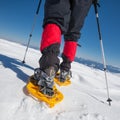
(33, 26)
(102, 50)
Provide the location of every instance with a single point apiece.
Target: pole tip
(109, 101)
(23, 61)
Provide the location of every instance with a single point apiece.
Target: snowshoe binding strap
(65, 75)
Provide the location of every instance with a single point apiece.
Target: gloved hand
(96, 1)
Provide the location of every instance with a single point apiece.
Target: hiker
(61, 17)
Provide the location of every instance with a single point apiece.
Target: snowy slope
(84, 99)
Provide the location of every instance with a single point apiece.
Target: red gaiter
(51, 35)
(70, 48)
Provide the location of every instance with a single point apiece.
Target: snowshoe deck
(33, 90)
(66, 83)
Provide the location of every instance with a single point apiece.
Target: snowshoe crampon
(57, 81)
(51, 101)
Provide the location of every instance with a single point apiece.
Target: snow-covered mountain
(84, 99)
(97, 65)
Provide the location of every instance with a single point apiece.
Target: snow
(84, 99)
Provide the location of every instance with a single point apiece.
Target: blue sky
(16, 19)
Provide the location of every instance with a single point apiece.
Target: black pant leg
(58, 12)
(79, 10)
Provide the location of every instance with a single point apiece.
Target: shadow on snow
(14, 65)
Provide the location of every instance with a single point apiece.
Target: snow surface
(84, 99)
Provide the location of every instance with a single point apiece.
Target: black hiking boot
(45, 80)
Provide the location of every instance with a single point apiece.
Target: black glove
(96, 1)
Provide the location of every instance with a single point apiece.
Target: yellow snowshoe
(51, 101)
